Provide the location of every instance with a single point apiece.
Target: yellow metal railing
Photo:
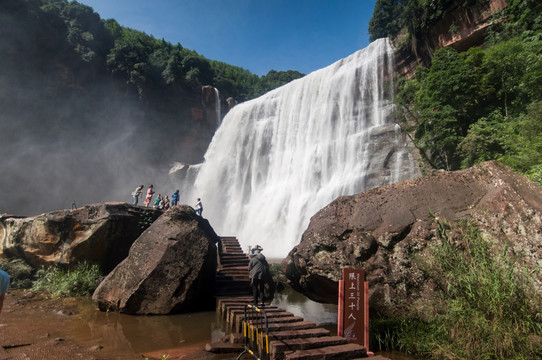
(255, 333)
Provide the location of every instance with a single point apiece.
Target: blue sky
(257, 35)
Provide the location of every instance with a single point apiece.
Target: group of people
(161, 202)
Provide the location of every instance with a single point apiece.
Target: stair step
(305, 333)
(346, 351)
(233, 275)
(231, 279)
(272, 317)
(278, 320)
(277, 348)
(298, 325)
(221, 348)
(236, 315)
(237, 278)
(239, 255)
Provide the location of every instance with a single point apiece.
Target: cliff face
(461, 28)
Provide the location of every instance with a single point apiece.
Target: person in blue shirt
(4, 284)
(175, 198)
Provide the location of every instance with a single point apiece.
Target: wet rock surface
(383, 231)
(98, 233)
(170, 268)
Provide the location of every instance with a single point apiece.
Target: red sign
(353, 322)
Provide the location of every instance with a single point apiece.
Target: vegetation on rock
(488, 306)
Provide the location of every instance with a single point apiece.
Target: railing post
(255, 333)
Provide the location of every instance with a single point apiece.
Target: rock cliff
(461, 27)
(100, 234)
(384, 229)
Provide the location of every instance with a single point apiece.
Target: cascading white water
(278, 159)
(218, 107)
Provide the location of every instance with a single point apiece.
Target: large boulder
(99, 234)
(383, 230)
(171, 268)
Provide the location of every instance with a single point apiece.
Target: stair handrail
(255, 333)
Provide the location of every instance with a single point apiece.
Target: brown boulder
(97, 233)
(171, 268)
(384, 229)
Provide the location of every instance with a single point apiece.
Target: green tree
(503, 71)
(198, 70)
(173, 71)
(484, 141)
(523, 141)
(386, 19)
(442, 101)
(129, 58)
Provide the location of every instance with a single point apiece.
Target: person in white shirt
(199, 207)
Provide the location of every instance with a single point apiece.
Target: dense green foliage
(484, 103)
(487, 308)
(143, 62)
(80, 281)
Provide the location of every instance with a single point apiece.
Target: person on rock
(136, 193)
(175, 198)
(199, 207)
(4, 285)
(257, 268)
(157, 201)
(166, 203)
(161, 203)
(150, 193)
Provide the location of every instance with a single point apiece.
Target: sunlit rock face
(170, 268)
(461, 27)
(278, 159)
(99, 234)
(386, 231)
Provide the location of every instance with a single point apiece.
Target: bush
(80, 281)
(488, 307)
(21, 274)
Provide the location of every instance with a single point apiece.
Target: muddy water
(129, 335)
(126, 335)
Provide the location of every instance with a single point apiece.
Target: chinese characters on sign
(353, 322)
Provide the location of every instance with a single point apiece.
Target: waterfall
(217, 107)
(278, 159)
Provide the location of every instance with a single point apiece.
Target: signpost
(353, 319)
